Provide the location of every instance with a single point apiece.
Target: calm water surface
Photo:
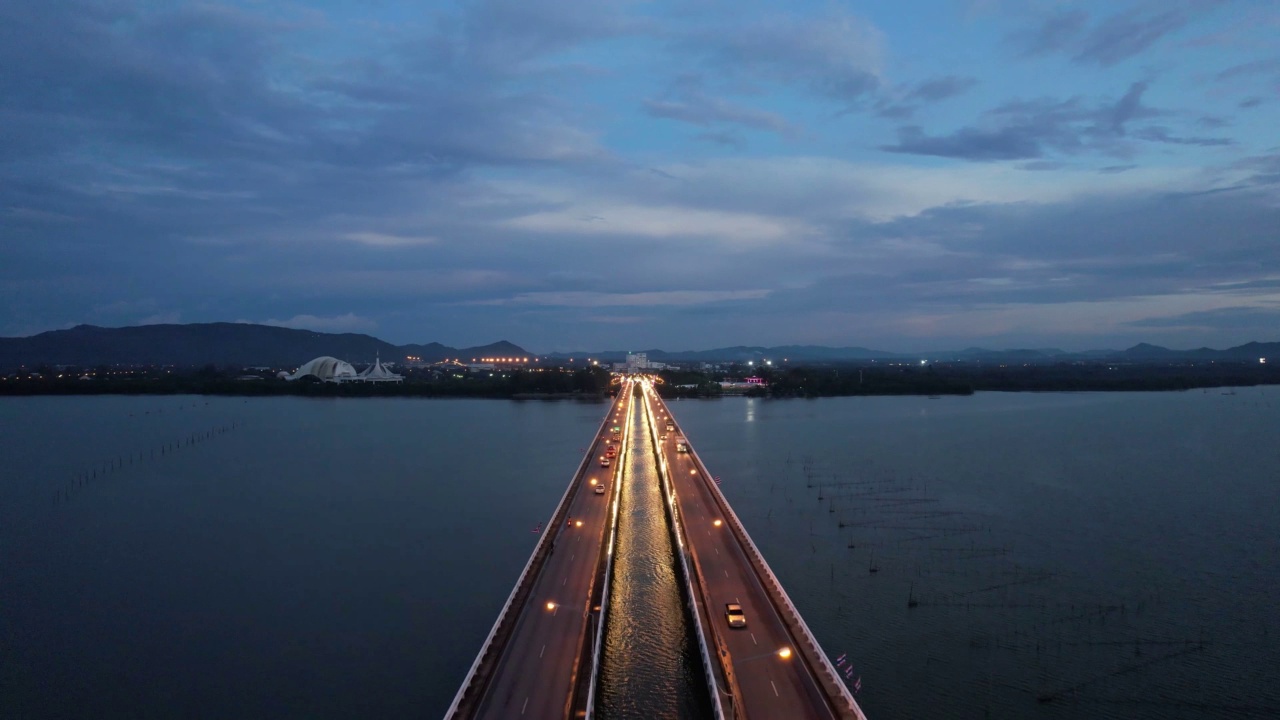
(1114, 553)
(650, 667)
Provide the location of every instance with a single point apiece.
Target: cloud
(1026, 129)
(1256, 67)
(1112, 39)
(1156, 133)
(941, 88)
(1250, 318)
(907, 101)
(1054, 33)
(1007, 143)
(837, 55)
(1127, 34)
(643, 299)
(732, 229)
(728, 138)
(376, 239)
(346, 323)
(687, 101)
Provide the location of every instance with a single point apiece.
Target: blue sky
(587, 174)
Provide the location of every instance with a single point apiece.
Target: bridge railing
(478, 676)
(811, 650)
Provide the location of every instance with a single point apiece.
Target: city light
(784, 653)
(717, 523)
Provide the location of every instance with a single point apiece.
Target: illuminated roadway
(537, 662)
(773, 679)
(538, 668)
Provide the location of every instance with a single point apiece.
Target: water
(346, 558)
(324, 559)
(651, 667)
(1116, 553)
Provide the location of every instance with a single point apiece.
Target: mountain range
(246, 344)
(220, 344)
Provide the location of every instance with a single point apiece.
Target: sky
(601, 174)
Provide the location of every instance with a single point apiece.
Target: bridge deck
(538, 656)
(765, 680)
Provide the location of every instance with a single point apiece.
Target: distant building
(377, 373)
(325, 368)
(637, 362)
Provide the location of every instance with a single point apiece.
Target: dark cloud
(1112, 39)
(1126, 34)
(1113, 169)
(1249, 103)
(1054, 33)
(907, 102)
(726, 138)
(1249, 318)
(941, 88)
(1265, 169)
(1257, 67)
(835, 56)
(1008, 143)
(1156, 133)
(1025, 129)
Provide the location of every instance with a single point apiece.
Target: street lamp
(782, 653)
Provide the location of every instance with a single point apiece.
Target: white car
(733, 613)
(600, 489)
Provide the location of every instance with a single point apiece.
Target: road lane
(536, 674)
(770, 685)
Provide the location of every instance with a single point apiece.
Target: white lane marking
(524, 706)
(775, 689)
(753, 641)
(717, 550)
(573, 556)
(562, 582)
(544, 649)
(726, 573)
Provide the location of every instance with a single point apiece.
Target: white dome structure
(328, 369)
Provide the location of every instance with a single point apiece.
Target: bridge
(542, 657)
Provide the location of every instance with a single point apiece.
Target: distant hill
(220, 344)
(246, 345)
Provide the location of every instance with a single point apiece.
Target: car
(611, 451)
(600, 489)
(733, 613)
(663, 436)
(670, 427)
(604, 462)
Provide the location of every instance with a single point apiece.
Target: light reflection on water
(650, 667)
